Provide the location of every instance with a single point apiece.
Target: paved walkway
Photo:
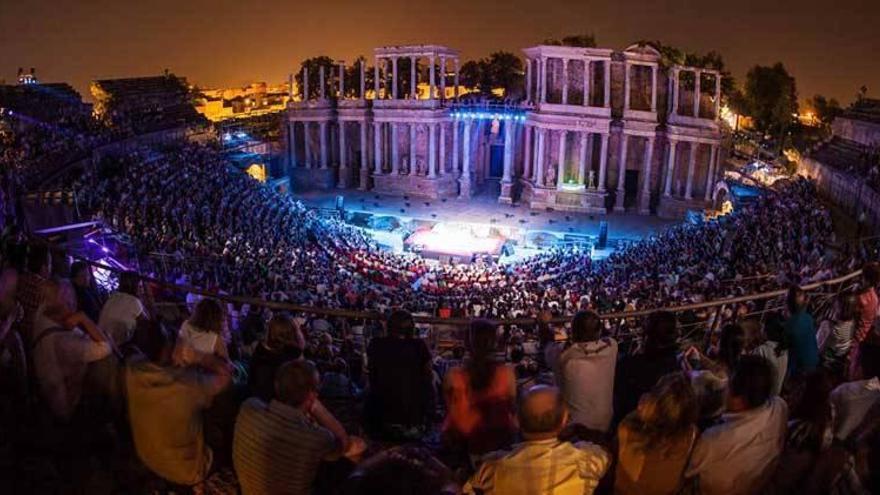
(485, 209)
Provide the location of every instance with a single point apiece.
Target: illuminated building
(255, 99)
(598, 130)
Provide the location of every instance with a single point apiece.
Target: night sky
(831, 47)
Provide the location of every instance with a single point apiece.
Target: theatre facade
(596, 130)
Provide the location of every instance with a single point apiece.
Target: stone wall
(860, 131)
(846, 191)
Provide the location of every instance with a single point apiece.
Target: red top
(484, 420)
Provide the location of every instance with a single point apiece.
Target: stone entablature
(589, 136)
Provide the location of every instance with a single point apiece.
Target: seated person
(166, 405)
(541, 464)
(203, 331)
(279, 445)
(739, 455)
(283, 342)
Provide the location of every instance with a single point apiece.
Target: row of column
(692, 158)
(534, 167)
(413, 60)
(676, 72)
(380, 156)
(540, 65)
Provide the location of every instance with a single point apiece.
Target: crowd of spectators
(220, 397)
(250, 240)
(308, 405)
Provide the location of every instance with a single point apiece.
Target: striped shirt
(277, 449)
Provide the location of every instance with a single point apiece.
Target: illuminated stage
(459, 240)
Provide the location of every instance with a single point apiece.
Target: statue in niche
(420, 166)
(591, 179)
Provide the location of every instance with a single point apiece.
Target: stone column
(305, 71)
(442, 148)
(587, 82)
(582, 160)
(543, 80)
(508, 150)
(322, 86)
(565, 81)
(528, 79)
(307, 146)
(527, 153)
(697, 93)
(710, 172)
(323, 138)
(291, 135)
(377, 148)
(645, 201)
(675, 73)
(603, 162)
(365, 168)
(413, 79)
(621, 174)
(692, 159)
(465, 180)
(717, 96)
(608, 83)
(394, 77)
(539, 158)
(442, 79)
(412, 150)
(455, 90)
(626, 84)
(395, 150)
(341, 80)
(362, 89)
(456, 161)
(432, 150)
(431, 75)
(343, 163)
(653, 88)
(670, 168)
(560, 166)
(376, 79)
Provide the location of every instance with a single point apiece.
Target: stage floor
(485, 209)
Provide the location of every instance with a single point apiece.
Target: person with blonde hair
(65, 342)
(284, 342)
(656, 439)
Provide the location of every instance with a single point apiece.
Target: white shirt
(850, 403)
(201, 341)
(119, 316)
(541, 467)
(60, 362)
(739, 455)
(767, 350)
(585, 374)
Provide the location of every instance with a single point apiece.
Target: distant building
(145, 104)
(255, 99)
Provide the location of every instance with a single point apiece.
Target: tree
(771, 98)
(826, 110)
(500, 70)
(353, 78)
(313, 65)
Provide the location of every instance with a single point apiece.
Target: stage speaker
(340, 202)
(603, 235)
